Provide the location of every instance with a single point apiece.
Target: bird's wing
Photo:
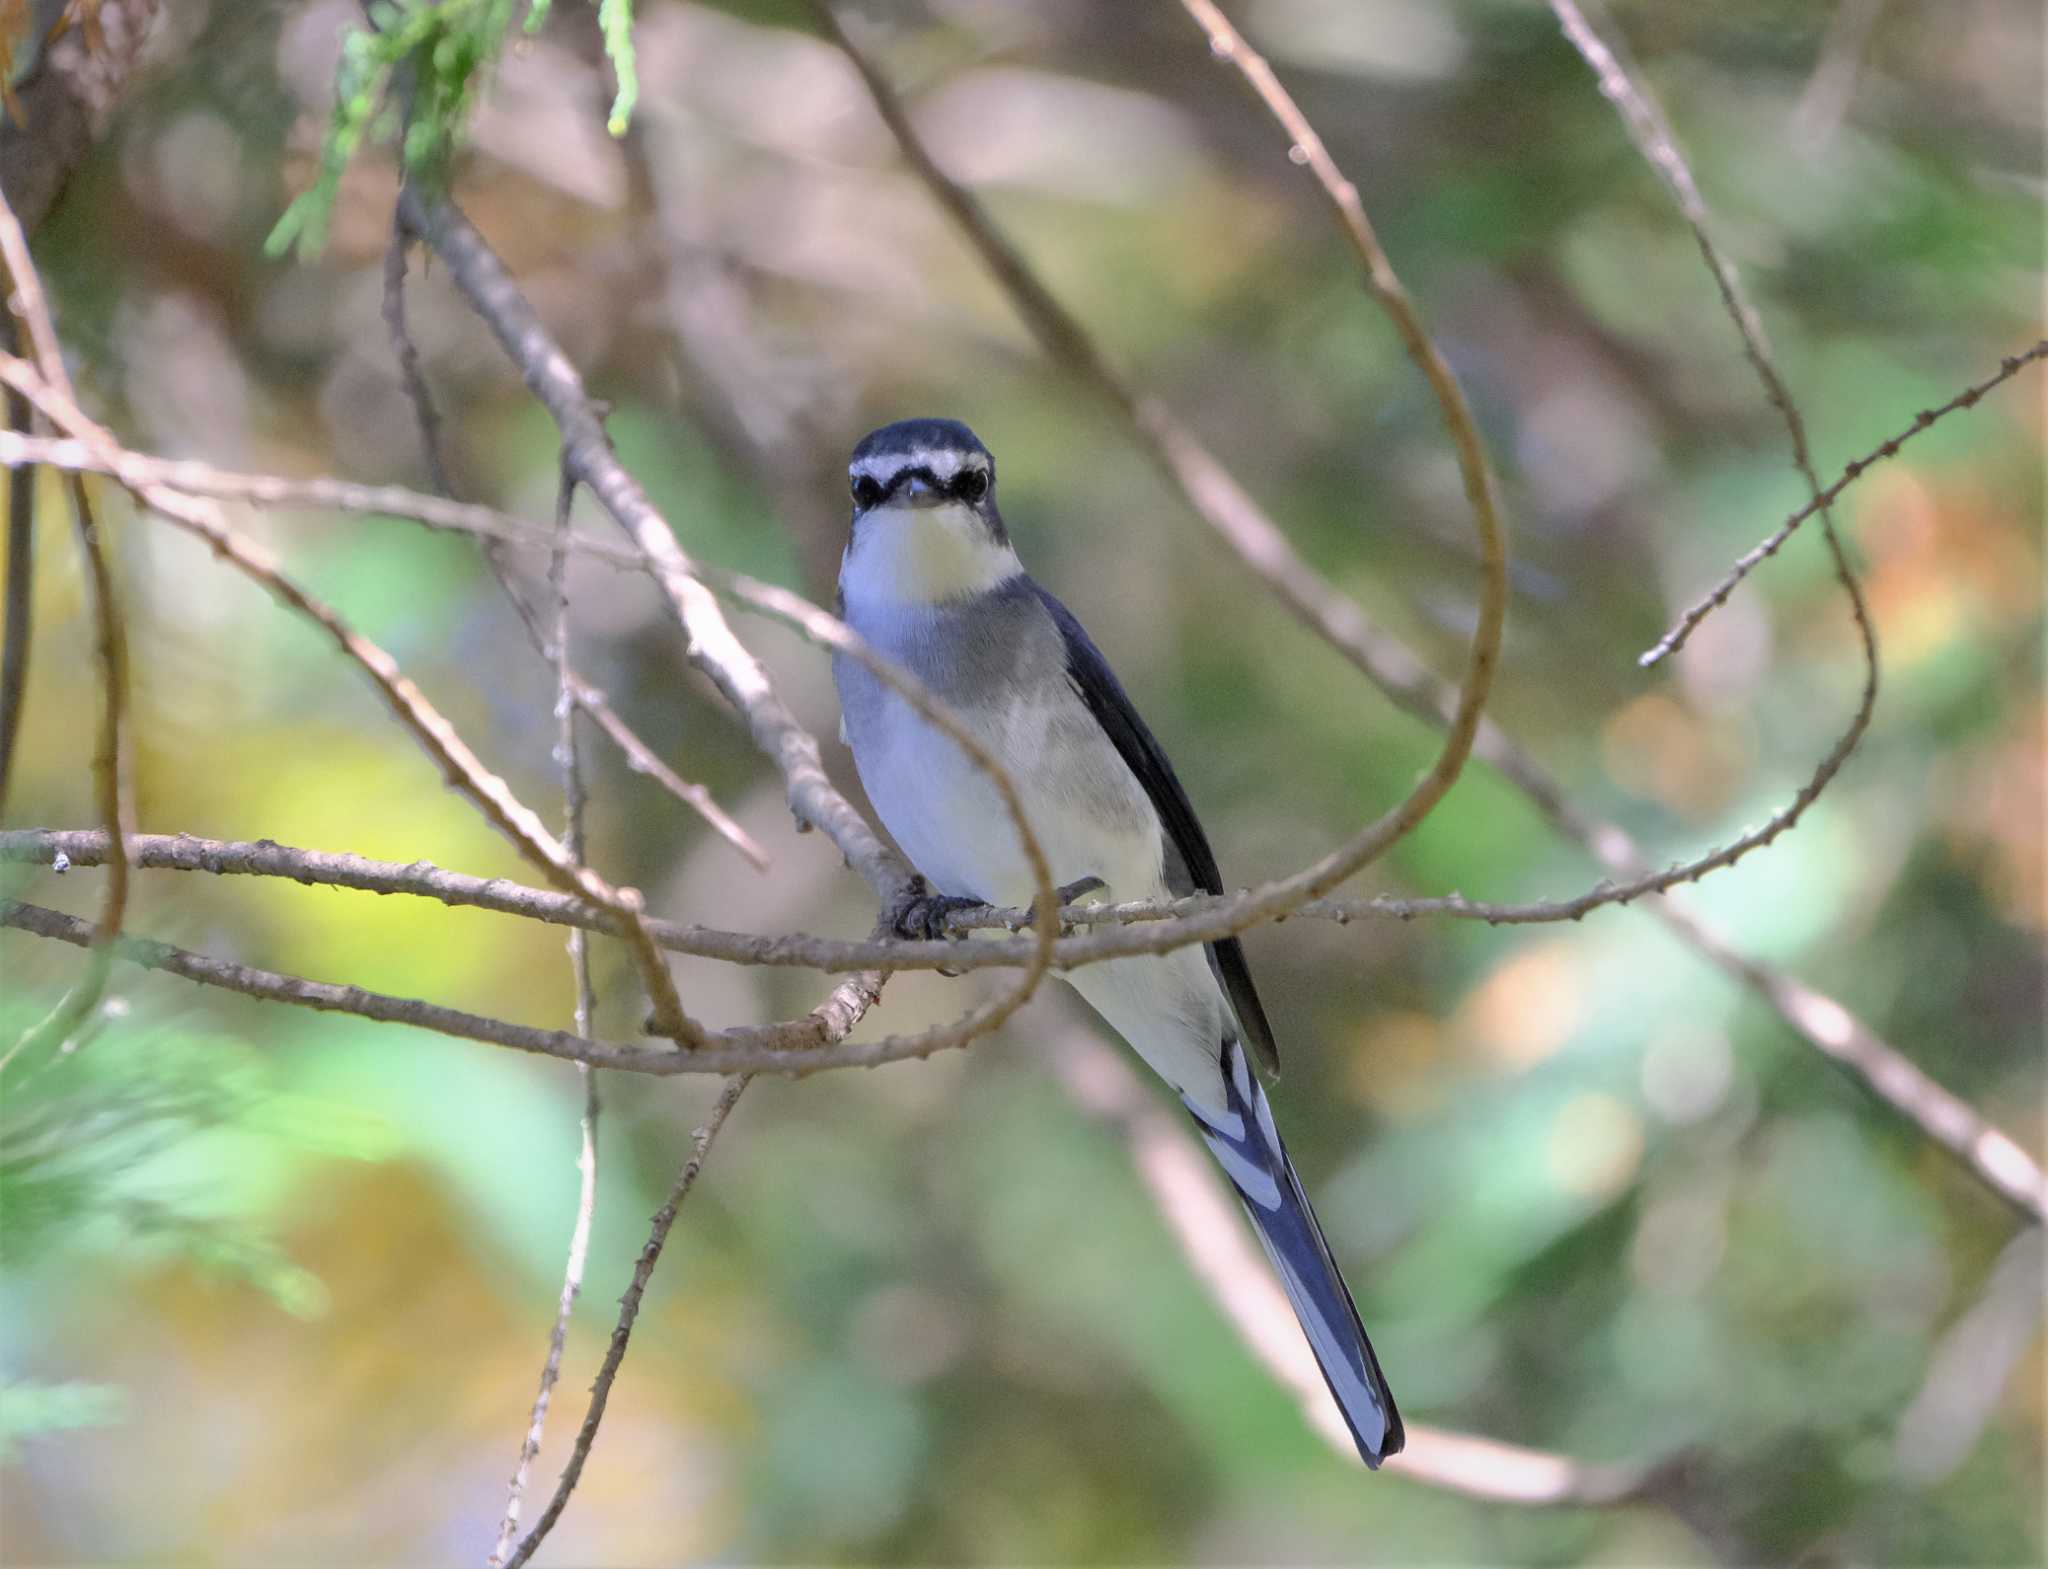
(1185, 841)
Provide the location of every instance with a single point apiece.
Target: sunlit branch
(629, 1311)
(711, 645)
(436, 736)
(17, 633)
(574, 799)
(1746, 563)
(111, 748)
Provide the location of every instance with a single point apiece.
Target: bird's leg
(920, 913)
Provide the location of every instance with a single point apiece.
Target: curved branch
(629, 1311)
(110, 763)
(588, 454)
(1988, 1154)
(1752, 558)
(485, 790)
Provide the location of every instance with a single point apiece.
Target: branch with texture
(796, 1047)
(460, 765)
(629, 1311)
(427, 415)
(136, 471)
(588, 455)
(110, 762)
(1653, 138)
(1751, 559)
(574, 800)
(1988, 1154)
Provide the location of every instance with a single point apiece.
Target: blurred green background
(277, 1285)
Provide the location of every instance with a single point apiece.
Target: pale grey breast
(1000, 663)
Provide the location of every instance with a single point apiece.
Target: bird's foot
(921, 914)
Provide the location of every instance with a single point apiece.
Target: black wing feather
(1111, 706)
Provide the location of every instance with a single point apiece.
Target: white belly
(1092, 819)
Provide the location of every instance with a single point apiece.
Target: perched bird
(931, 581)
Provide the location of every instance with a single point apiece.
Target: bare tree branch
(428, 417)
(1989, 1155)
(110, 764)
(629, 1311)
(136, 471)
(574, 800)
(426, 413)
(489, 793)
(1654, 140)
(17, 635)
(1984, 1151)
(797, 1047)
(110, 786)
(712, 647)
(1748, 562)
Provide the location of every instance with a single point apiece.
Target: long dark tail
(1247, 1146)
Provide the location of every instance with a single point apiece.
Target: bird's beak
(920, 493)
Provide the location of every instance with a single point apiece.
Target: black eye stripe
(970, 484)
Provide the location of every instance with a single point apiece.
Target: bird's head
(925, 525)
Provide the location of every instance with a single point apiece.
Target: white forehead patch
(944, 464)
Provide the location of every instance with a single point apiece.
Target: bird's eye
(972, 485)
(866, 491)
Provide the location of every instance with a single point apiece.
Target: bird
(931, 581)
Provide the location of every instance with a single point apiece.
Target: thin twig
(1986, 1153)
(1748, 562)
(797, 1047)
(110, 769)
(427, 415)
(629, 1311)
(17, 635)
(711, 645)
(668, 1018)
(137, 471)
(485, 790)
(1653, 138)
(574, 799)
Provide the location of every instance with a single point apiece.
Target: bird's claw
(921, 914)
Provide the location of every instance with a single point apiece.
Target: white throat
(918, 556)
